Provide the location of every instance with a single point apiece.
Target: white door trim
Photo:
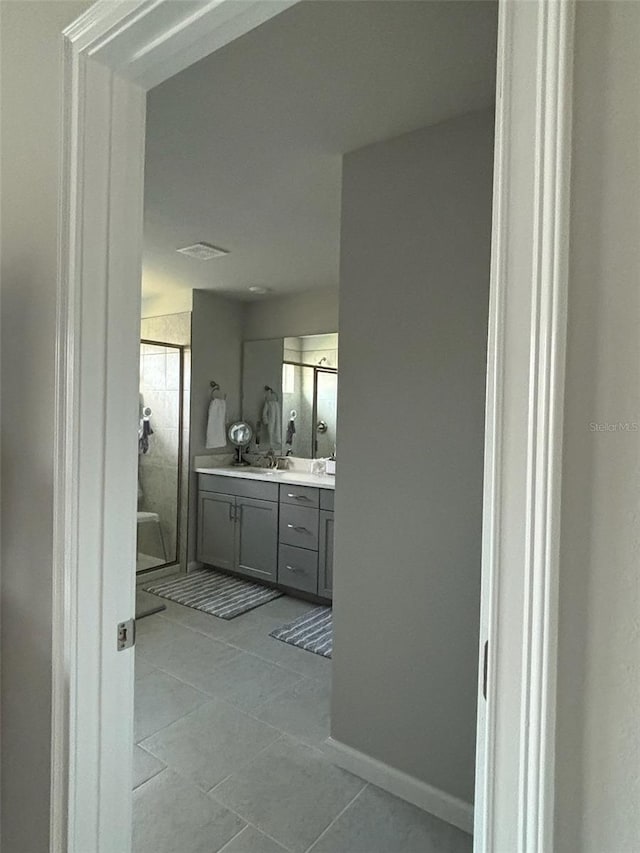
(523, 448)
(112, 55)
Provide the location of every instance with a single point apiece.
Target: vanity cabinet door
(325, 561)
(257, 538)
(216, 529)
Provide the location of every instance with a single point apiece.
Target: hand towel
(271, 419)
(291, 431)
(217, 424)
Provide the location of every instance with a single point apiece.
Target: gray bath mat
(313, 632)
(215, 593)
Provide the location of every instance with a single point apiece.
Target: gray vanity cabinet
(325, 555)
(269, 531)
(238, 531)
(216, 530)
(257, 538)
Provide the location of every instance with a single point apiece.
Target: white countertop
(292, 477)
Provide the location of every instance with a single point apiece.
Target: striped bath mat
(215, 593)
(313, 632)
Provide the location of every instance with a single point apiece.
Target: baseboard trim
(414, 791)
(193, 566)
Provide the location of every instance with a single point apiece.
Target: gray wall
(415, 251)
(30, 78)
(216, 354)
(598, 758)
(311, 313)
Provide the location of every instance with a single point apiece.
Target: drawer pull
(298, 528)
(298, 497)
(294, 569)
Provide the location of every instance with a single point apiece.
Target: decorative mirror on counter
(240, 434)
(302, 376)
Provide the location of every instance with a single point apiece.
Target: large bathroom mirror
(299, 376)
(159, 453)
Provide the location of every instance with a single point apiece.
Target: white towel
(271, 419)
(217, 424)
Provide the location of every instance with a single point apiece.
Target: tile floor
(229, 725)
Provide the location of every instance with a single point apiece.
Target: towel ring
(293, 415)
(215, 389)
(270, 394)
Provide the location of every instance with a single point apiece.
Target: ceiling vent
(203, 251)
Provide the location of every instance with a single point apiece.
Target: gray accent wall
(598, 736)
(415, 261)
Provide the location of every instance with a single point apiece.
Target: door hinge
(126, 634)
(485, 666)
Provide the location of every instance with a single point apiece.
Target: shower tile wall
(159, 383)
(160, 387)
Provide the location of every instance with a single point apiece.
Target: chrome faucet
(270, 456)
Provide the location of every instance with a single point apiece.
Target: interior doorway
(125, 120)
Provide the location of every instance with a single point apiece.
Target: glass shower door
(159, 454)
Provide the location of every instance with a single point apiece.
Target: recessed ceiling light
(203, 251)
(256, 289)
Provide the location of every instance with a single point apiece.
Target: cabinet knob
(297, 497)
(294, 569)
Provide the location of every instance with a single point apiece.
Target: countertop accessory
(240, 434)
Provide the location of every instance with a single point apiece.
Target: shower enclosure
(160, 454)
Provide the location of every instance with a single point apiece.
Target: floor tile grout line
(209, 699)
(231, 840)
(275, 663)
(212, 698)
(283, 690)
(252, 825)
(155, 776)
(230, 644)
(233, 659)
(243, 766)
(337, 818)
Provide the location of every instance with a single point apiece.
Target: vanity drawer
(255, 489)
(298, 568)
(326, 499)
(299, 495)
(299, 526)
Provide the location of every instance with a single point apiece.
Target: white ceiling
(244, 148)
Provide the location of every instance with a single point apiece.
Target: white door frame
(112, 55)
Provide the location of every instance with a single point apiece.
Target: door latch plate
(126, 634)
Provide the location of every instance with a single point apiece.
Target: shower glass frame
(317, 369)
(179, 471)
